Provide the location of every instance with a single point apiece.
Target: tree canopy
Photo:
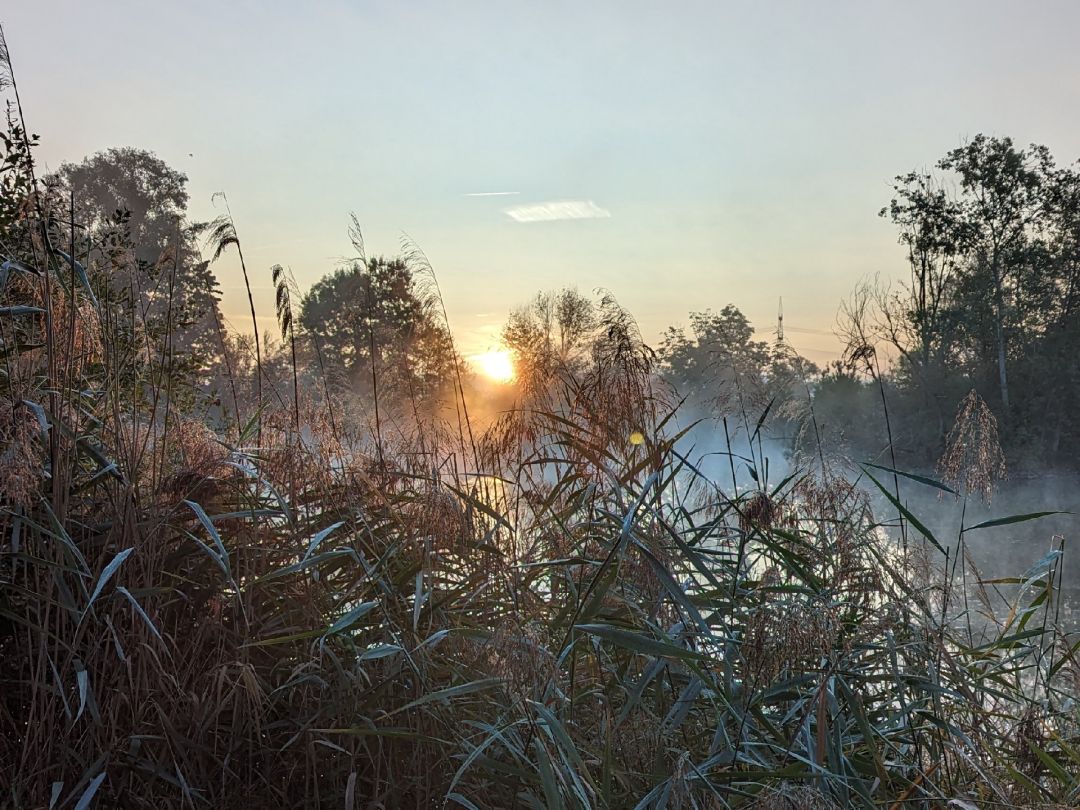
(992, 241)
(371, 321)
(721, 370)
(130, 213)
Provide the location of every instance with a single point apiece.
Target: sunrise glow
(496, 364)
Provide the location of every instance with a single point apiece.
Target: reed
(558, 611)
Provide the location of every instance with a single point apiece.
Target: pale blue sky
(742, 149)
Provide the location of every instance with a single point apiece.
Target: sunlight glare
(496, 364)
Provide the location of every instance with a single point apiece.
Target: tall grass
(546, 614)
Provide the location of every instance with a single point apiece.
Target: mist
(412, 406)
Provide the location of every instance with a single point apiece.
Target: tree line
(990, 237)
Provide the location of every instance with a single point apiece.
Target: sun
(495, 364)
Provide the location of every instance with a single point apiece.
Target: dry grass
(200, 614)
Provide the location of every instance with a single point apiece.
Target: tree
(934, 234)
(370, 321)
(551, 333)
(718, 366)
(993, 247)
(16, 164)
(1001, 203)
(131, 210)
(722, 372)
(977, 250)
(581, 363)
(153, 195)
(917, 319)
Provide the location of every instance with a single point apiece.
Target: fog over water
(1003, 551)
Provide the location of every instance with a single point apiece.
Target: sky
(680, 155)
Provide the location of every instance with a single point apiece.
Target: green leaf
(457, 797)
(930, 482)
(82, 678)
(208, 524)
(496, 735)
(107, 574)
(1009, 641)
(91, 790)
(559, 733)
(80, 274)
(1042, 565)
(547, 776)
(39, 414)
(372, 731)
(269, 642)
(914, 521)
(1052, 765)
(1005, 521)
(213, 555)
(450, 693)
(762, 418)
(671, 586)
(138, 609)
(350, 618)
(60, 533)
(482, 507)
(379, 651)
(310, 562)
(637, 642)
(18, 267)
(319, 537)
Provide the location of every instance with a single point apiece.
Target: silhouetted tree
(1002, 202)
(718, 365)
(551, 334)
(15, 186)
(133, 181)
(721, 369)
(992, 246)
(373, 323)
(131, 220)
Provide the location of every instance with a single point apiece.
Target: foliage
(152, 194)
(569, 616)
(994, 262)
(580, 620)
(719, 366)
(123, 212)
(722, 373)
(551, 334)
(371, 317)
(16, 179)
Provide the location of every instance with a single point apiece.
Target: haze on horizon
(683, 158)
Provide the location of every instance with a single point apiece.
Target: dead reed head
(973, 461)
